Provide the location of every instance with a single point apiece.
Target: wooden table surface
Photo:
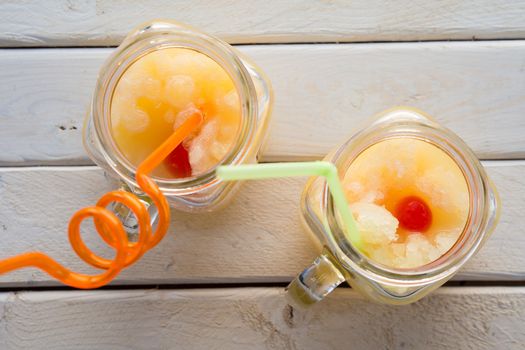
(216, 281)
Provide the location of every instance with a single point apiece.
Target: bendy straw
(318, 168)
(109, 226)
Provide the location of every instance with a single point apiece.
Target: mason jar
(340, 260)
(204, 191)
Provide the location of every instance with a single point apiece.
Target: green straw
(274, 170)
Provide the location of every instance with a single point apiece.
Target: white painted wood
(257, 238)
(94, 22)
(259, 318)
(322, 92)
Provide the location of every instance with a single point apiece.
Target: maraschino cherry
(414, 214)
(178, 162)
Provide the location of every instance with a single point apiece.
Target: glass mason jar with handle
(340, 260)
(202, 191)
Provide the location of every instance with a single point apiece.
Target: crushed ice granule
(231, 99)
(218, 150)
(149, 87)
(376, 224)
(372, 197)
(354, 188)
(436, 183)
(226, 130)
(419, 251)
(196, 155)
(184, 114)
(398, 250)
(399, 168)
(179, 90)
(209, 129)
(135, 120)
(201, 160)
(381, 254)
(445, 240)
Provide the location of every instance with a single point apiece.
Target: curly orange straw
(109, 226)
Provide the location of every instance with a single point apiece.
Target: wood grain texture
(96, 22)
(322, 93)
(257, 238)
(259, 318)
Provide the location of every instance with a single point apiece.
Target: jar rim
(157, 36)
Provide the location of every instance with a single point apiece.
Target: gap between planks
(112, 287)
(63, 23)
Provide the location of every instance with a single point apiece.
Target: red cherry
(178, 162)
(414, 214)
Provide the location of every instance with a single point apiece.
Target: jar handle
(126, 215)
(315, 282)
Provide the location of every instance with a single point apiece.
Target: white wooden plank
(259, 318)
(322, 92)
(258, 238)
(92, 22)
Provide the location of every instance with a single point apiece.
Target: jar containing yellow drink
(162, 73)
(422, 202)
